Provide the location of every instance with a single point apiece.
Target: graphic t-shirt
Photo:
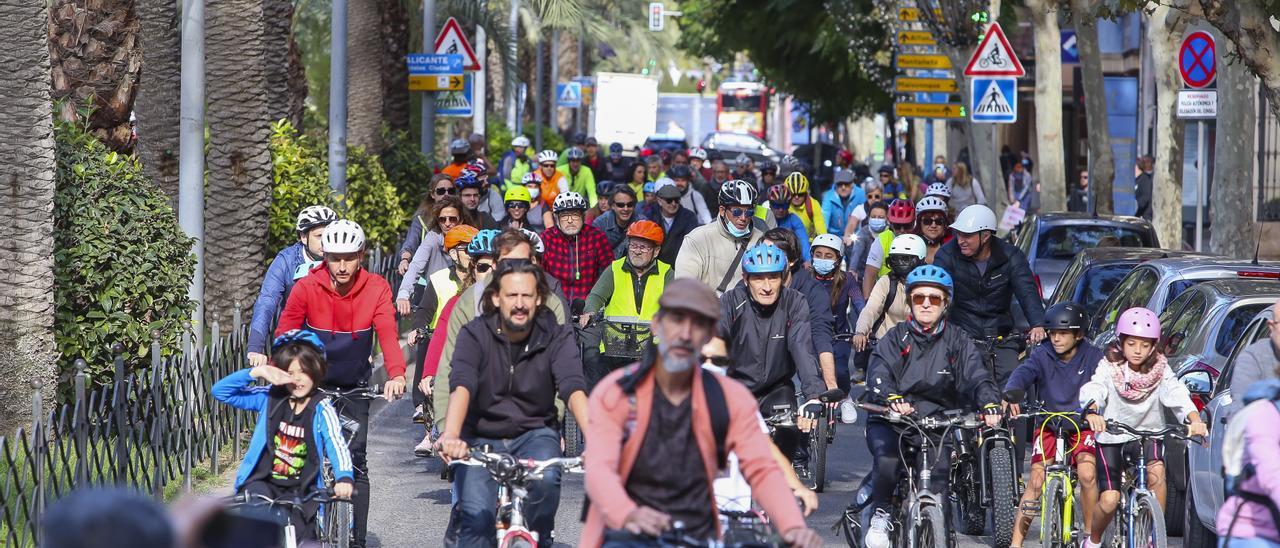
(291, 458)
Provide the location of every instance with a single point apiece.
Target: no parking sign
(1198, 60)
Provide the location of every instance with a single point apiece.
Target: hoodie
(289, 266)
(346, 324)
(1056, 382)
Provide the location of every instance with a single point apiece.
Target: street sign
(588, 89)
(993, 100)
(656, 16)
(919, 110)
(913, 14)
(457, 103)
(908, 84)
(434, 72)
(1197, 60)
(916, 38)
(569, 94)
(451, 41)
(919, 61)
(1070, 53)
(994, 56)
(1197, 104)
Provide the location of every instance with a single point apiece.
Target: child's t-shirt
(290, 458)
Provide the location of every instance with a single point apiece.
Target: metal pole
(580, 113)
(1201, 171)
(191, 149)
(539, 88)
(553, 118)
(513, 27)
(478, 100)
(338, 98)
(428, 126)
(38, 450)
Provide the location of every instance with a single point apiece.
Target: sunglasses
(670, 201)
(739, 211)
(779, 205)
(846, 183)
(446, 219)
(483, 267)
(624, 205)
(932, 221)
(919, 298)
(548, 164)
(445, 190)
(517, 205)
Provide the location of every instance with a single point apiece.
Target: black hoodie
(935, 371)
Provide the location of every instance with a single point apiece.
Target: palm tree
(94, 55)
(365, 89)
(156, 105)
(26, 196)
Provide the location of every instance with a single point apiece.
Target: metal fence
(1268, 184)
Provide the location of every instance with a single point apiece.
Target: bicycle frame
(512, 475)
(1059, 468)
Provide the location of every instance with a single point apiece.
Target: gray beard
(675, 365)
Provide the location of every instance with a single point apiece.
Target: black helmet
(458, 146)
(579, 138)
(1066, 315)
(680, 172)
(768, 165)
(886, 168)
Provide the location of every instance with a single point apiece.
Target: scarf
(1134, 386)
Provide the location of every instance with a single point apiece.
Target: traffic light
(701, 86)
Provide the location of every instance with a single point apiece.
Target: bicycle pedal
(1031, 508)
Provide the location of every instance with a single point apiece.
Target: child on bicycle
(1133, 385)
(295, 429)
(1056, 369)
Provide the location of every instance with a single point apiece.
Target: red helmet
(901, 212)
(845, 156)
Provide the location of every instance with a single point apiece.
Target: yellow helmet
(797, 183)
(517, 194)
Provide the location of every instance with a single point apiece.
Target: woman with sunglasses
(441, 186)
(932, 224)
(447, 213)
(524, 209)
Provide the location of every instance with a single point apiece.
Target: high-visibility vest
(444, 286)
(885, 238)
(622, 305)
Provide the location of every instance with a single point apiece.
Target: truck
(625, 108)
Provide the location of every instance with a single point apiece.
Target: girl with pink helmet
(1133, 385)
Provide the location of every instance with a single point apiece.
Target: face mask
(824, 266)
(735, 231)
(534, 192)
(877, 225)
(901, 265)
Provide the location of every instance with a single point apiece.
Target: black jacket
(1142, 195)
(509, 399)
(818, 297)
(767, 347)
(683, 224)
(934, 372)
(983, 303)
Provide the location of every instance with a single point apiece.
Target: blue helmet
(298, 336)
(930, 275)
(482, 243)
(467, 179)
(764, 259)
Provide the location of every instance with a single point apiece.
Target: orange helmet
(646, 229)
(459, 235)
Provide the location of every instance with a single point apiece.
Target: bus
(742, 107)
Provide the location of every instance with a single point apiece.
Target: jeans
(358, 410)
(1249, 542)
(842, 350)
(478, 494)
(886, 464)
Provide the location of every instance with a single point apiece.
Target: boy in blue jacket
(1056, 369)
(295, 430)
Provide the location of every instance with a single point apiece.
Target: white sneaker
(848, 412)
(424, 448)
(878, 532)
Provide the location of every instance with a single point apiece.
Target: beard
(677, 364)
(511, 326)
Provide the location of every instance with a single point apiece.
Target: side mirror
(1197, 382)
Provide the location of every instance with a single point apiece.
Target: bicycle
(818, 438)
(1060, 525)
(1139, 521)
(677, 537)
(983, 480)
(513, 477)
(338, 520)
(280, 508)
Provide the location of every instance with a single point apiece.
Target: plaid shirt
(576, 261)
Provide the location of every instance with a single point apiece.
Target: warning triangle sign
(451, 40)
(993, 102)
(994, 56)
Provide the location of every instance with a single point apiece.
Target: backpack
(1235, 469)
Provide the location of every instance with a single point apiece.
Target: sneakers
(424, 448)
(418, 416)
(848, 412)
(878, 532)
(859, 376)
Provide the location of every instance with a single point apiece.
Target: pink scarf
(1134, 386)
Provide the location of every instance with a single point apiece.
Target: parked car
(1201, 326)
(659, 142)
(1051, 240)
(730, 145)
(1204, 495)
(1094, 273)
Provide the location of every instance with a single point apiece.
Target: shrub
(371, 200)
(499, 139)
(122, 265)
(407, 168)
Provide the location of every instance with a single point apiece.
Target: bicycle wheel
(930, 531)
(572, 436)
(818, 454)
(1053, 528)
(850, 528)
(1148, 530)
(1003, 498)
(338, 525)
(968, 515)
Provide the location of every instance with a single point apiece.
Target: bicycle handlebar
(503, 462)
(1168, 430)
(358, 393)
(937, 421)
(257, 499)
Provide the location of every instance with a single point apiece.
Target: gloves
(811, 409)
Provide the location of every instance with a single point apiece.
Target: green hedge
(122, 265)
(407, 168)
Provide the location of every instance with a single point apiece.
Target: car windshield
(1065, 241)
(1181, 320)
(1099, 283)
(1233, 327)
(1136, 290)
(664, 144)
(745, 102)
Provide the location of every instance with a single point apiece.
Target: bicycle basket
(625, 338)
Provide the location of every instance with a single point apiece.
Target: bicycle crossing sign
(994, 56)
(451, 41)
(993, 100)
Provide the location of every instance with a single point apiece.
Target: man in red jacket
(346, 305)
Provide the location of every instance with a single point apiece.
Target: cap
(691, 295)
(669, 191)
(592, 141)
(845, 176)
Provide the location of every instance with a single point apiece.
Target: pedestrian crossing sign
(993, 100)
(457, 103)
(569, 94)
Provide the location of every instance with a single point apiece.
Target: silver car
(1051, 240)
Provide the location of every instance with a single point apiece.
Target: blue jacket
(289, 266)
(838, 210)
(793, 223)
(235, 390)
(1057, 383)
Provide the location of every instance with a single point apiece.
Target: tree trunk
(1231, 208)
(364, 75)
(239, 169)
(1248, 26)
(1052, 170)
(95, 60)
(157, 102)
(27, 351)
(1102, 162)
(395, 71)
(1164, 32)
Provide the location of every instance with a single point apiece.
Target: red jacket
(576, 261)
(346, 323)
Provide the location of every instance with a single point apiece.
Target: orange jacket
(552, 187)
(609, 460)
(453, 170)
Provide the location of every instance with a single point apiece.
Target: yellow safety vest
(444, 286)
(885, 238)
(622, 305)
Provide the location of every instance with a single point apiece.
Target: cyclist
(866, 234)
(579, 180)
(525, 209)
(615, 167)
(460, 150)
(893, 190)
(576, 252)
(488, 407)
(365, 300)
(1134, 386)
(490, 198)
(653, 168)
(886, 305)
(441, 186)
(692, 200)
(939, 189)
(295, 430)
(473, 195)
(931, 221)
(713, 252)
(846, 301)
(550, 181)
(1055, 370)
(593, 161)
(515, 163)
(815, 294)
(807, 208)
(768, 175)
(638, 178)
(744, 168)
(920, 367)
(839, 202)
(858, 216)
(430, 256)
(290, 265)
(639, 489)
(676, 221)
(578, 142)
(902, 220)
(989, 272)
(615, 222)
(698, 162)
(780, 203)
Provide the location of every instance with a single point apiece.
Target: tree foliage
(834, 57)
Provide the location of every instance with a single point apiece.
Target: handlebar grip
(880, 409)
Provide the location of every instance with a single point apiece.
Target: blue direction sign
(993, 100)
(569, 94)
(1070, 53)
(435, 72)
(457, 103)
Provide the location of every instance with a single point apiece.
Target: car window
(1234, 325)
(1255, 332)
(1177, 287)
(1025, 234)
(1099, 283)
(1180, 320)
(1065, 241)
(1135, 290)
(1067, 285)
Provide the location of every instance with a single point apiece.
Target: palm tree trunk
(1102, 163)
(364, 75)
(395, 73)
(95, 59)
(277, 39)
(157, 102)
(239, 173)
(27, 351)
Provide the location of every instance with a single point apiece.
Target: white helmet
(830, 241)
(534, 239)
(520, 141)
(737, 192)
(569, 201)
(930, 203)
(547, 156)
(343, 237)
(908, 244)
(698, 152)
(313, 216)
(938, 189)
(975, 219)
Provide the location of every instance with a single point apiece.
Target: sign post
(1198, 66)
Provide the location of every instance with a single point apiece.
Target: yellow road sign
(913, 14)
(916, 38)
(906, 84)
(451, 82)
(917, 61)
(928, 110)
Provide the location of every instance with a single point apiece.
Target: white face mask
(824, 266)
(534, 193)
(877, 225)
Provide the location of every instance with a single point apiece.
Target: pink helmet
(1139, 322)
